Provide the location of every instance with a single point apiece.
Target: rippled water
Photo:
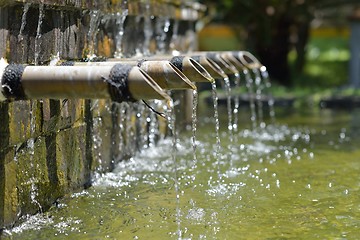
(298, 179)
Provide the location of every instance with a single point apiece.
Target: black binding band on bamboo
(11, 82)
(118, 83)
(178, 62)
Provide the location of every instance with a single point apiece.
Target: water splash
(38, 34)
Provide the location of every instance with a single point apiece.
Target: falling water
(194, 123)
(236, 107)
(93, 29)
(230, 112)
(38, 34)
(171, 126)
(265, 76)
(23, 21)
(249, 86)
(97, 139)
(148, 32)
(120, 21)
(217, 127)
(258, 97)
(33, 168)
(142, 119)
(122, 112)
(148, 29)
(174, 38)
(22, 27)
(162, 28)
(129, 130)
(153, 121)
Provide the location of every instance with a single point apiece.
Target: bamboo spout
(164, 73)
(119, 82)
(247, 59)
(167, 75)
(211, 66)
(224, 63)
(140, 90)
(231, 57)
(192, 69)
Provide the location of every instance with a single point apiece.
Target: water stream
(217, 145)
(265, 76)
(250, 87)
(120, 21)
(194, 124)
(230, 111)
(37, 47)
(22, 27)
(258, 82)
(236, 106)
(95, 17)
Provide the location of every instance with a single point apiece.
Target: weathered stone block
(71, 112)
(11, 201)
(72, 164)
(25, 120)
(31, 171)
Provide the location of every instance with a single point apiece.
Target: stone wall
(49, 148)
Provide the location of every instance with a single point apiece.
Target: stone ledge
(172, 9)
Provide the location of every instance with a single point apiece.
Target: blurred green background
(303, 43)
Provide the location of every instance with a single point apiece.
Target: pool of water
(295, 179)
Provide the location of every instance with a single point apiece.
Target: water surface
(297, 179)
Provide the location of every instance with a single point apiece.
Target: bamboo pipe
(188, 66)
(247, 59)
(163, 72)
(211, 66)
(231, 57)
(119, 82)
(192, 69)
(224, 63)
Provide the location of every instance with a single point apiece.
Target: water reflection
(293, 180)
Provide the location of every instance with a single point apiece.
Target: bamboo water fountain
(68, 114)
(62, 124)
